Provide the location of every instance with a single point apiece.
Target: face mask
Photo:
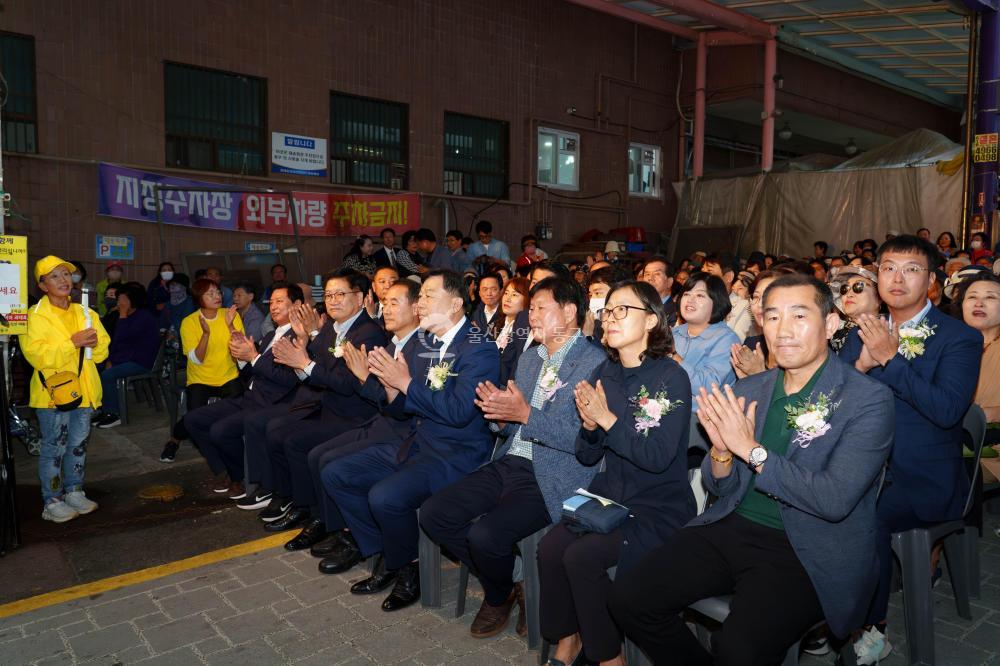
(596, 304)
(76, 277)
(114, 276)
(177, 294)
(167, 275)
(977, 245)
(110, 303)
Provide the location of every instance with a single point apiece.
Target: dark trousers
(774, 602)
(255, 427)
(895, 514)
(198, 395)
(573, 575)
(505, 498)
(217, 431)
(379, 497)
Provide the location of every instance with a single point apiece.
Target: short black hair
(387, 268)
(530, 238)
(387, 230)
(454, 233)
(555, 267)
(668, 268)
(451, 282)
(821, 245)
(492, 275)
(564, 292)
(281, 266)
(721, 306)
(200, 273)
(909, 244)
(484, 226)
(247, 287)
(412, 289)
(425, 234)
(407, 235)
(135, 292)
(356, 280)
(609, 275)
(823, 295)
(293, 291)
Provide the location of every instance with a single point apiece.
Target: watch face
(758, 455)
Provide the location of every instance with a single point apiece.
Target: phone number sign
(984, 148)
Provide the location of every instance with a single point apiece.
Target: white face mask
(596, 304)
(977, 245)
(76, 277)
(167, 275)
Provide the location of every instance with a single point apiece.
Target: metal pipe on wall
(767, 127)
(700, 69)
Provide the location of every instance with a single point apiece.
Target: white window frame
(657, 190)
(557, 136)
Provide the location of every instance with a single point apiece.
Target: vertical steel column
(699, 106)
(767, 126)
(984, 175)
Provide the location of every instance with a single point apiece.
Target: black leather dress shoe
(311, 534)
(294, 518)
(340, 562)
(331, 544)
(378, 581)
(406, 592)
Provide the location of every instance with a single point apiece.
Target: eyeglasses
(619, 312)
(857, 287)
(337, 296)
(909, 270)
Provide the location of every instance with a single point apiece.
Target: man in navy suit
(386, 255)
(341, 408)
(379, 490)
(481, 518)
(218, 428)
(931, 362)
(795, 461)
(484, 316)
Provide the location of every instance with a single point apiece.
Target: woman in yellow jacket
(211, 370)
(58, 335)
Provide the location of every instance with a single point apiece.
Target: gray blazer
(827, 491)
(553, 428)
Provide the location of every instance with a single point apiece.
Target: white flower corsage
(438, 374)
(912, 338)
(550, 382)
(651, 410)
(338, 349)
(809, 419)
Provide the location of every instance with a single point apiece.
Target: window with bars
(558, 159)
(475, 156)
(20, 109)
(215, 120)
(643, 170)
(368, 142)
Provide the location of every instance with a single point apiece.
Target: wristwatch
(758, 455)
(313, 333)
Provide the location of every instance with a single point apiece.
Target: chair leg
(122, 386)
(970, 540)
(463, 590)
(429, 563)
(913, 548)
(532, 587)
(958, 571)
(543, 654)
(156, 393)
(634, 656)
(792, 656)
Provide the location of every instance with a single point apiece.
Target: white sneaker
(872, 647)
(77, 500)
(59, 512)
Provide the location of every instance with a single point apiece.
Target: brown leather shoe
(491, 620)
(522, 616)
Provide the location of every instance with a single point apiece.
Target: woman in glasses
(855, 293)
(211, 370)
(635, 417)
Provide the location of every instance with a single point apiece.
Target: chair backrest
(161, 354)
(974, 424)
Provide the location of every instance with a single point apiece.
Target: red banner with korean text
(329, 214)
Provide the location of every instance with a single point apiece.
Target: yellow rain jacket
(48, 348)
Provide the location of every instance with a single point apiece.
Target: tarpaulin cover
(894, 187)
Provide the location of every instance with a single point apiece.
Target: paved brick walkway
(275, 608)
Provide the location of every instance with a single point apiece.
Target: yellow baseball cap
(46, 265)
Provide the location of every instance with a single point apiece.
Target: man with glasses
(931, 362)
(487, 245)
(316, 356)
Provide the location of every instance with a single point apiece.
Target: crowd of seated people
(484, 391)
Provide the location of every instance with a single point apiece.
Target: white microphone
(88, 352)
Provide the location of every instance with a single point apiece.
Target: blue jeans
(109, 382)
(64, 451)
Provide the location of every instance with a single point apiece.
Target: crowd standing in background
(739, 409)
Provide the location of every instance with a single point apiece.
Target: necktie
(392, 258)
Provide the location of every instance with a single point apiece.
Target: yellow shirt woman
(218, 366)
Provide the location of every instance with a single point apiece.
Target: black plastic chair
(147, 381)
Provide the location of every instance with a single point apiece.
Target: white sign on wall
(299, 155)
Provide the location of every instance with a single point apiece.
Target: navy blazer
(341, 395)
(449, 425)
(647, 473)
(554, 426)
(932, 394)
(826, 491)
(393, 422)
(510, 354)
(483, 325)
(270, 383)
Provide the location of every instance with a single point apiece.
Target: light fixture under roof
(785, 133)
(851, 148)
